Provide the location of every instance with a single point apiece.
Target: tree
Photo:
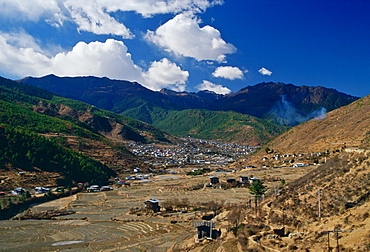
(257, 189)
(235, 217)
(282, 182)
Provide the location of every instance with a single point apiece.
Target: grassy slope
(223, 126)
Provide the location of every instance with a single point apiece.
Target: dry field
(106, 222)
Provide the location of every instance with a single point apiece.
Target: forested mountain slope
(56, 137)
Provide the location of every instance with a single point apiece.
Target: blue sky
(191, 45)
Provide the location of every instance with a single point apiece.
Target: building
(152, 205)
(206, 230)
(214, 180)
(244, 180)
(230, 180)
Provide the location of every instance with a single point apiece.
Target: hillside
(340, 142)
(39, 119)
(217, 125)
(347, 126)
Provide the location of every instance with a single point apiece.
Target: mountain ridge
(58, 139)
(282, 104)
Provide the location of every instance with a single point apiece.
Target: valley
(132, 187)
(117, 220)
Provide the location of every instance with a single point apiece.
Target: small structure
(214, 180)
(106, 188)
(279, 231)
(18, 191)
(230, 180)
(206, 230)
(41, 190)
(93, 188)
(152, 205)
(244, 180)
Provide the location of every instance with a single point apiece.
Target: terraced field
(106, 222)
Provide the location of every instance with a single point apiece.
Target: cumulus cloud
(165, 73)
(183, 36)
(92, 17)
(96, 15)
(265, 71)
(218, 89)
(228, 72)
(30, 10)
(110, 59)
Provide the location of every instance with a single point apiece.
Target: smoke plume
(284, 113)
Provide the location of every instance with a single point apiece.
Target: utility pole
(337, 237)
(336, 233)
(319, 203)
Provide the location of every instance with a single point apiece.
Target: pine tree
(257, 189)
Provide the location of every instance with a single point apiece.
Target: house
(106, 188)
(244, 180)
(93, 188)
(214, 180)
(152, 205)
(230, 180)
(206, 230)
(41, 190)
(18, 191)
(250, 167)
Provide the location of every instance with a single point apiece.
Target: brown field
(116, 221)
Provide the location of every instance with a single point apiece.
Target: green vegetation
(27, 111)
(218, 125)
(257, 189)
(27, 150)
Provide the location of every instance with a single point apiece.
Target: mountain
(56, 138)
(113, 95)
(285, 104)
(166, 110)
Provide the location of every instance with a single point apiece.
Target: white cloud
(265, 71)
(183, 36)
(148, 8)
(29, 10)
(95, 15)
(228, 72)
(218, 89)
(92, 17)
(109, 59)
(165, 73)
